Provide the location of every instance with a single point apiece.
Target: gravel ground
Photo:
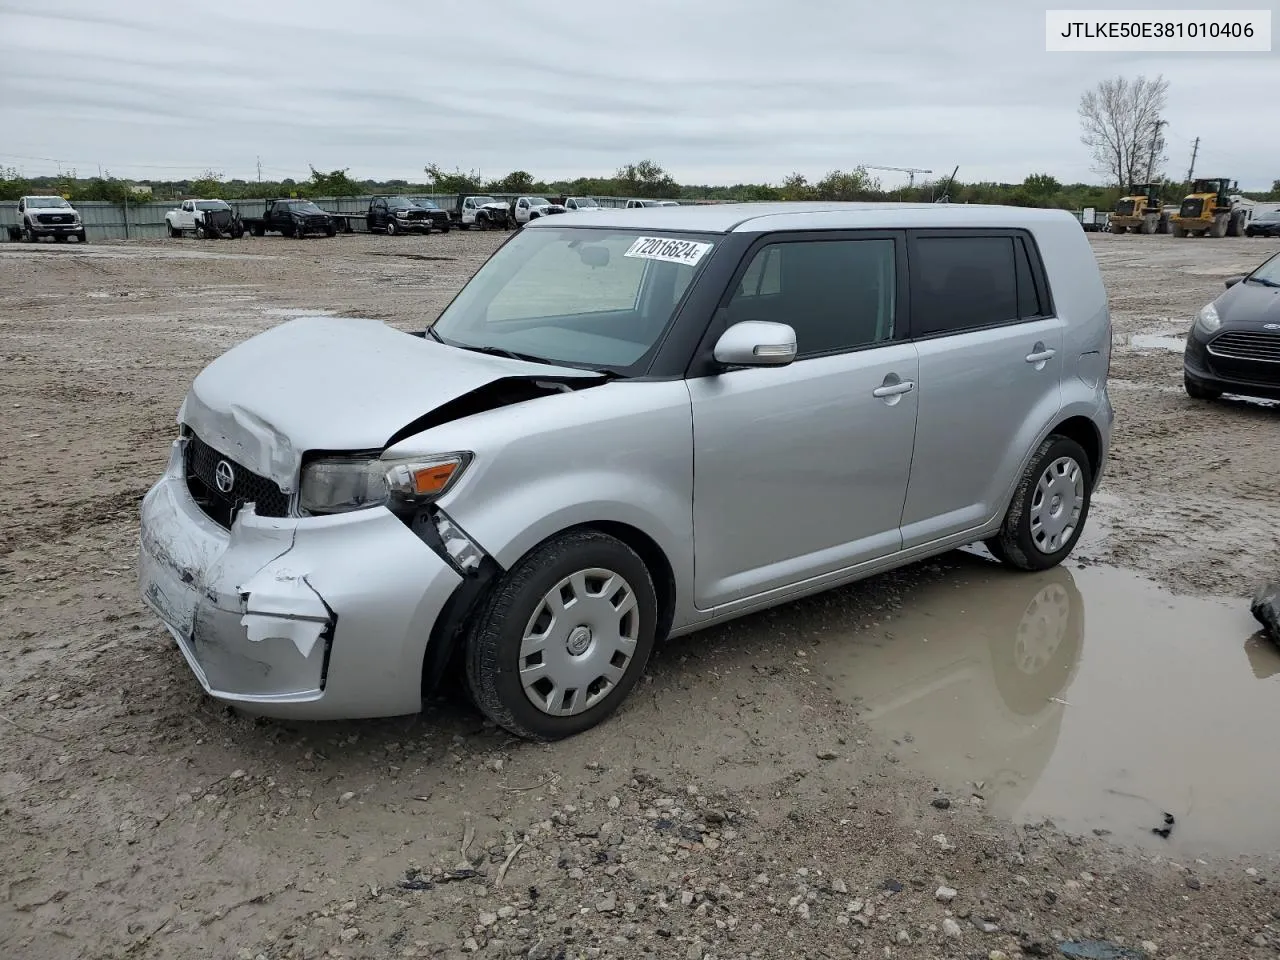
(738, 804)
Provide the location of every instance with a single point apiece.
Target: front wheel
(563, 637)
(392, 229)
(174, 232)
(1049, 507)
(201, 233)
(27, 234)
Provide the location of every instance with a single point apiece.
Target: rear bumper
(312, 618)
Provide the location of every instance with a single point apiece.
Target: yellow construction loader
(1213, 208)
(1142, 211)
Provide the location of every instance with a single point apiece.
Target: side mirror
(1232, 281)
(756, 343)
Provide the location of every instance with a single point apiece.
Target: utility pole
(259, 169)
(1151, 157)
(1194, 150)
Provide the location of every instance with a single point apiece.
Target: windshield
(481, 201)
(46, 202)
(304, 206)
(584, 202)
(212, 205)
(1268, 273)
(539, 202)
(599, 299)
(400, 202)
(427, 204)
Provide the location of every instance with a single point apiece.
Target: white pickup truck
(525, 209)
(47, 217)
(190, 216)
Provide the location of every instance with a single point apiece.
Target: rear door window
(962, 283)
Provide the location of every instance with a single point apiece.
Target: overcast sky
(716, 91)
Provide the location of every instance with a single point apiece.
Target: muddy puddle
(1090, 697)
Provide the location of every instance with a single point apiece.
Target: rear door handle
(894, 389)
(1040, 354)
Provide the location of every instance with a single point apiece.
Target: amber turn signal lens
(431, 480)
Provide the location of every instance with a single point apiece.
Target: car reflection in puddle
(1089, 697)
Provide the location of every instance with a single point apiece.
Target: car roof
(767, 217)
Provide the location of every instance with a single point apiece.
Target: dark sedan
(1266, 224)
(1234, 343)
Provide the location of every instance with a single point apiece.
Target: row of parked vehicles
(391, 215)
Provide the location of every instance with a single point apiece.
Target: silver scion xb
(622, 428)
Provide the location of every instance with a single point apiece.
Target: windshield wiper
(1262, 280)
(431, 332)
(500, 352)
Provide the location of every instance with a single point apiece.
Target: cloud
(718, 91)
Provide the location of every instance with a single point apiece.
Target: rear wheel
(1048, 511)
(1177, 230)
(563, 637)
(174, 232)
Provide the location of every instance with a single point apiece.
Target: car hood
(1249, 305)
(335, 384)
(494, 206)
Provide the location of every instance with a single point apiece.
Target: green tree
(796, 187)
(646, 179)
(518, 181)
(12, 185)
(209, 185)
(335, 183)
(456, 182)
(856, 184)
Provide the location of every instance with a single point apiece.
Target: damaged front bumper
(309, 618)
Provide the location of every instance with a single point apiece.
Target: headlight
(1207, 319)
(334, 485)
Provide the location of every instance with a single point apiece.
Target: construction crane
(910, 171)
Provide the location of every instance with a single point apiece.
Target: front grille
(247, 487)
(53, 217)
(317, 223)
(1191, 208)
(1247, 345)
(1124, 208)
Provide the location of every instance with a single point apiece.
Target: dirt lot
(949, 761)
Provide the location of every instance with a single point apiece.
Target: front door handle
(894, 389)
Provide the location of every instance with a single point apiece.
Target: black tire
(174, 232)
(392, 229)
(482, 223)
(492, 656)
(1197, 392)
(201, 233)
(27, 234)
(1014, 545)
(60, 238)
(82, 237)
(445, 228)
(331, 232)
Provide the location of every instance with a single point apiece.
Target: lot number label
(669, 250)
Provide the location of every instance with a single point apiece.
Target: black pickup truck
(392, 215)
(292, 218)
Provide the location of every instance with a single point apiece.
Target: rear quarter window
(961, 283)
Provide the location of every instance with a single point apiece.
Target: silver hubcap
(579, 642)
(1056, 506)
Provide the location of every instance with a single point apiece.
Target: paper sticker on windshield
(688, 252)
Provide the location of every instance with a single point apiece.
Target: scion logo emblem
(224, 476)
